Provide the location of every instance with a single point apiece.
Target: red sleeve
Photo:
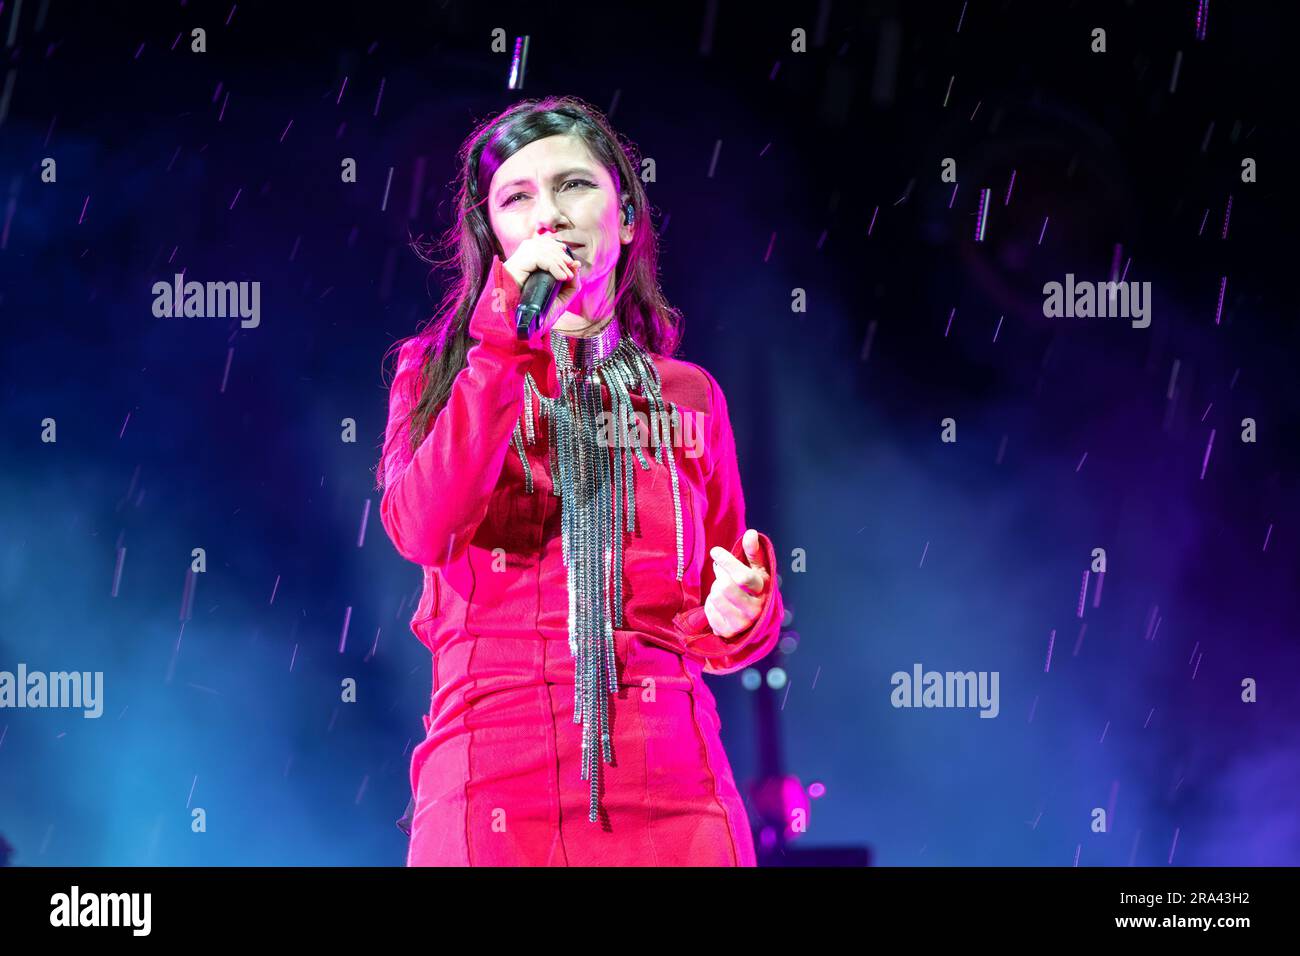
(724, 526)
(434, 500)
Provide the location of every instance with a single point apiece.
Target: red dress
(497, 780)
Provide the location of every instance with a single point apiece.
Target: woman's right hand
(545, 252)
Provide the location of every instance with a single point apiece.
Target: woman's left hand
(735, 599)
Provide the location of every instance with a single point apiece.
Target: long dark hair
(471, 245)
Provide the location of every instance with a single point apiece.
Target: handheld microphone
(535, 300)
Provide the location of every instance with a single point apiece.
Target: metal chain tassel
(597, 504)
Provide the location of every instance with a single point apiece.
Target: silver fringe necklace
(592, 475)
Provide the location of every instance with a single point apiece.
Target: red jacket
(494, 610)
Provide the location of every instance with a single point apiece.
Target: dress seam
(469, 743)
(649, 799)
(546, 687)
(699, 733)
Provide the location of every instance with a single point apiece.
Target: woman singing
(575, 503)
